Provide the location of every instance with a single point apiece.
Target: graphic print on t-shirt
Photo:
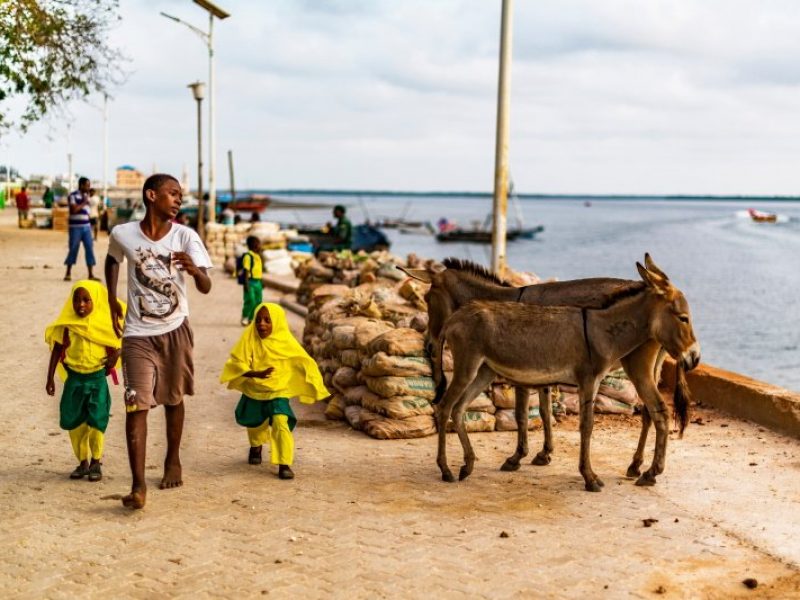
(155, 273)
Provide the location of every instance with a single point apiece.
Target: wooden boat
(482, 236)
(762, 217)
(250, 203)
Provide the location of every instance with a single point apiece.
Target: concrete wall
(769, 405)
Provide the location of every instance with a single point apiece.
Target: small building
(129, 177)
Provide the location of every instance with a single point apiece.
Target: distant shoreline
(487, 195)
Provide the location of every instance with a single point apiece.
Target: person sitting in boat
(445, 225)
(342, 232)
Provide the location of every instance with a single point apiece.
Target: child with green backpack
(249, 276)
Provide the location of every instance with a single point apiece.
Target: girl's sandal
(285, 472)
(95, 472)
(255, 455)
(79, 473)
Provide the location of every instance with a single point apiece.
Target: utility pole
(105, 150)
(208, 38)
(500, 203)
(230, 174)
(197, 91)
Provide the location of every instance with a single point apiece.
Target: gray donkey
(533, 345)
(463, 281)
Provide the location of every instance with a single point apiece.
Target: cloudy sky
(608, 96)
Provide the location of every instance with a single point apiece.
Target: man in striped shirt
(80, 230)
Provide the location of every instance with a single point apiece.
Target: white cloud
(663, 96)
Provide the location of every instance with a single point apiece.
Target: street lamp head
(213, 9)
(198, 90)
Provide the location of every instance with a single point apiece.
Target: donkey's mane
(475, 269)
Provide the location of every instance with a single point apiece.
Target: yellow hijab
(295, 375)
(95, 327)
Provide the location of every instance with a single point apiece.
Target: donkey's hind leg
(542, 458)
(638, 457)
(521, 415)
(463, 378)
(483, 378)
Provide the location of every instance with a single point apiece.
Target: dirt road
(366, 518)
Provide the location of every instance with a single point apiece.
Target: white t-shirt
(94, 207)
(157, 300)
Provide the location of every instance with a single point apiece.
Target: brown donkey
(544, 345)
(463, 282)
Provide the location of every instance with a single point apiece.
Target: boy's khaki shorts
(158, 369)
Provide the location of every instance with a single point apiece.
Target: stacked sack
(350, 269)
(503, 397)
(616, 395)
(368, 341)
(227, 242)
(397, 375)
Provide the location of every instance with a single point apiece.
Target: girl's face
(82, 302)
(263, 323)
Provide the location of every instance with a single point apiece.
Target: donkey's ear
(420, 274)
(656, 282)
(653, 267)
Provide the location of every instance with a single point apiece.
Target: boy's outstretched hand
(261, 374)
(184, 262)
(116, 316)
(111, 359)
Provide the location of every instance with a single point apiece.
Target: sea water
(741, 278)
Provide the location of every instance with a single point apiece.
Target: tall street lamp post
(198, 91)
(208, 38)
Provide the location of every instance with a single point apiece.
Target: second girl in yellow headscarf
(270, 367)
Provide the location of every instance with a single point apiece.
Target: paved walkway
(366, 518)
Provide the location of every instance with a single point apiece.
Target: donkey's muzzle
(690, 358)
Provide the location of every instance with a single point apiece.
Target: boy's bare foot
(255, 455)
(81, 471)
(136, 499)
(285, 472)
(172, 476)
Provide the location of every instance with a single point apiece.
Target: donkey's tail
(681, 399)
(441, 386)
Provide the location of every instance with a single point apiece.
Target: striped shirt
(80, 218)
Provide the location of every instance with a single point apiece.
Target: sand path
(365, 518)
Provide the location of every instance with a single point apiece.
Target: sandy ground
(366, 518)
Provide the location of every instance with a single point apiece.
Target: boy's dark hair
(156, 181)
(339, 208)
(252, 241)
(82, 180)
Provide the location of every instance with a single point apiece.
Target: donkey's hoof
(510, 465)
(448, 477)
(599, 482)
(541, 460)
(633, 470)
(593, 486)
(464, 472)
(647, 479)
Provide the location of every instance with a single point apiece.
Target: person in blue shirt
(80, 229)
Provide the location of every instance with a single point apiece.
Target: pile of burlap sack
(366, 328)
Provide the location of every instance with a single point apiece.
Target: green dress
(253, 413)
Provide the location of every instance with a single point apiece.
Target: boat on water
(762, 217)
(365, 237)
(482, 236)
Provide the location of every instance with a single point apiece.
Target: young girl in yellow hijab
(269, 367)
(84, 349)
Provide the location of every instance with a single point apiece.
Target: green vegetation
(53, 52)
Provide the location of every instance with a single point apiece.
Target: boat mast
(500, 203)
